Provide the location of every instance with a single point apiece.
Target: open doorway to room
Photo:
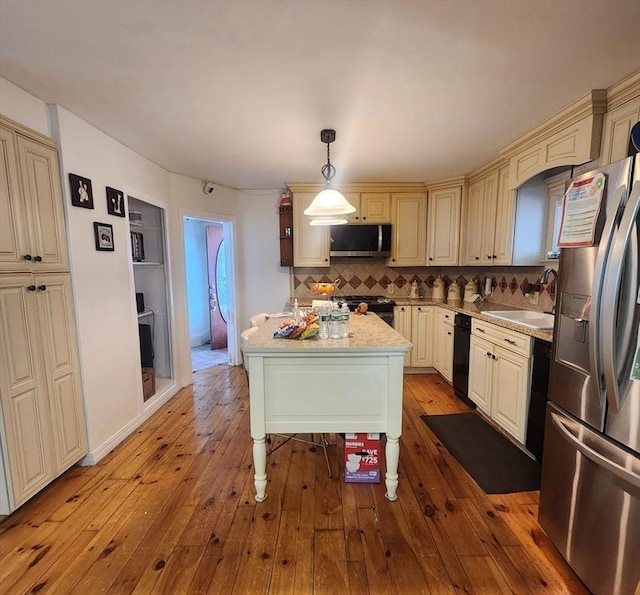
(209, 276)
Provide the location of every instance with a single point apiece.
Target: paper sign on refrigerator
(580, 210)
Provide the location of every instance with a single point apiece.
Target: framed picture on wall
(115, 202)
(81, 193)
(103, 233)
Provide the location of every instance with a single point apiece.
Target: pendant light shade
(327, 221)
(328, 207)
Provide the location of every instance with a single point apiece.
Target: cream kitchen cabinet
(489, 216)
(310, 243)
(409, 220)
(32, 232)
(500, 375)
(371, 207)
(422, 336)
(444, 225)
(43, 420)
(443, 342)
(402, 323)
(415, 323)
(617, 126)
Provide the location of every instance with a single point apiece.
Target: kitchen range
(590, 491)
(380, 305)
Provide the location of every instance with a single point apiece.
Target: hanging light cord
(328, 171)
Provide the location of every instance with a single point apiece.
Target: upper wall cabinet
(32, 233)
(443, 237)
(571, 137)
(409, 220)
(371, 207)
(310, 244)
(623, 112)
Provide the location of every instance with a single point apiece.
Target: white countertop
(368, 333)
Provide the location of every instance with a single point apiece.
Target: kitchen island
(330, 385)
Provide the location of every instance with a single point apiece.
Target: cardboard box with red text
(362, 458)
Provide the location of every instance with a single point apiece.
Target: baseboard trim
(95, 456)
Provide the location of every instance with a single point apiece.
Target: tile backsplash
(509, 284)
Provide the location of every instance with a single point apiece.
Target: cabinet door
(447, 352)
(422, 332)
(42, 193)
(354, 199)
(488, 228)
(60, 351)
(444, 226)
(472, 244)
(310, 244)
(25, 411)
(510, 392)
(409, 220)
(14, 240)
(617, 128)
(505, 220)
(402, 324)
(480, 373)
(375, 207)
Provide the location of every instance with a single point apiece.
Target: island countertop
(367, 333)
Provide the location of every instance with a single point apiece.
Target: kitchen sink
(528, 318)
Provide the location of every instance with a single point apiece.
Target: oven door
(386, 316)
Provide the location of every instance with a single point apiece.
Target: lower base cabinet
(500, 377)
(443, 342)
(415, 323)
(43, 428)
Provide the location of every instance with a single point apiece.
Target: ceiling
(237, 92)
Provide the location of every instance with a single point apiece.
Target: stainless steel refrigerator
(590, 489)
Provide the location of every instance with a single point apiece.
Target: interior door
(215, 267)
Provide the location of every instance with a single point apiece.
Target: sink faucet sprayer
(544, 280)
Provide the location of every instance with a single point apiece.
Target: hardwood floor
(171, 510)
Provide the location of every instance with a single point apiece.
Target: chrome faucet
(545, 280)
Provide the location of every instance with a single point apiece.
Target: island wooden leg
(392, 455)
(260, 468)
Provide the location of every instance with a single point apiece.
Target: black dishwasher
(461, 341)
(538, 397)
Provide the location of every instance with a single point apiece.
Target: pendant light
(329, 206)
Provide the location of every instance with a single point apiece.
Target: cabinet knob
(477, 258)
(489, 257)
(488, 354)
(38, 258)
(26, 257)
(449, 333)
(31, 287)
(419, 308)
(393, 260)
(362, 218)
(430, 258)
(494, 256)
(42, 287)
(493, 356)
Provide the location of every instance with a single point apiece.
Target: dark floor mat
(495, 464)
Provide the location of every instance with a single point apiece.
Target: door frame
(229, 235)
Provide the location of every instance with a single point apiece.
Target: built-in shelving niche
(150, 277)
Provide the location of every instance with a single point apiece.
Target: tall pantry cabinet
(42, 424)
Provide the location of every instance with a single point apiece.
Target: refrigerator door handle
(611, 294)
(569, 429)
(596, 291)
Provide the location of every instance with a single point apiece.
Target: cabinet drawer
(511, 340)
(445, 316)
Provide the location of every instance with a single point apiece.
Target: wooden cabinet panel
(422, 336)
(444, 225)
(409, 219)
(510, 386)
(310, 244)
(617, 129)
(375, 207)
(472, 239)
(480, 373)
(25, 412)
(504, 220)
(443, 342)
(402, 322)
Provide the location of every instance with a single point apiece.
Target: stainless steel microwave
(361, 240)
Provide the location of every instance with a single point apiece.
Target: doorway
(208, 250)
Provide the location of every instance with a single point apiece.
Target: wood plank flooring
(171, 510)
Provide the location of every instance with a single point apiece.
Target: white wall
(24, 108)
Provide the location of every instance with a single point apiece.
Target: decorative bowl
(323, 288)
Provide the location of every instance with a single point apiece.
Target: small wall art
(115, 202)
(103, 233)
(81, 193)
